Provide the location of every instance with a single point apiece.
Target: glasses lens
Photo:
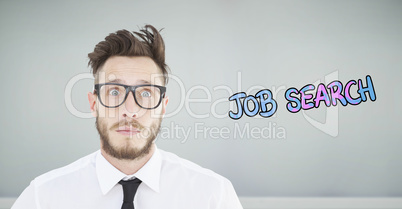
(112, 95)
(148, 96)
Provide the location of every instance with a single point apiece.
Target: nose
(130, 107)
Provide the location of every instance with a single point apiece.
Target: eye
(114, 92)
(145, 94)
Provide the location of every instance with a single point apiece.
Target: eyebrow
(117, 80)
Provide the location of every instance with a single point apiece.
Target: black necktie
(129, 189)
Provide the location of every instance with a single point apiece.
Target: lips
(127, 131)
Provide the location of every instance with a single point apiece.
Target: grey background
(44, 44)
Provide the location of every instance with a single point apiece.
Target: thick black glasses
(146, 96)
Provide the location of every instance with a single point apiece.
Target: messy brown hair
(147, 42)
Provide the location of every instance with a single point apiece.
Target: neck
(129, 167)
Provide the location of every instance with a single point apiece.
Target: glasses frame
(132, 90)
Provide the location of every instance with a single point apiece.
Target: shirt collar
(109, 176)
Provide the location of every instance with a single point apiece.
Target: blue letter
(247, 109)
(264, 112)
(289, 106)
(237, 97)
(369, 88)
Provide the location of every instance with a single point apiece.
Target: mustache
(132, 123)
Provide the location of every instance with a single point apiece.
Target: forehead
(130, 71)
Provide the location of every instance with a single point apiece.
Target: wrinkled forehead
(130, 71)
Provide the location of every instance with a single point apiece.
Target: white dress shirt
(168, 182)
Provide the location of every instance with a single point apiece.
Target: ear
(164, 104)
(92, 103)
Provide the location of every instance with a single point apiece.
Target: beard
(127, 152)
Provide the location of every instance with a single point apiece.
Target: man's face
(128, 131)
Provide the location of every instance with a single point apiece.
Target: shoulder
(189, 170)
(184, 177)
(78, 167)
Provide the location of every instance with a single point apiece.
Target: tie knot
(130, 182)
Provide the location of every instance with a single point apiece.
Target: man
(129, 171)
